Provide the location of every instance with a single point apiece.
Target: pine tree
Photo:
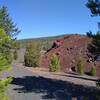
(94, 6)
(4, 63)
(8, 31)
(6, 22)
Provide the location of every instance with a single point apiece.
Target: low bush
(55, 63)
(32, 55)
(3, 85)
(93, 71)
(80, 66)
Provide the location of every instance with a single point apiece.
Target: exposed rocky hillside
(70, 49)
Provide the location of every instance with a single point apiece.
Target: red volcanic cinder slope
(70, 49)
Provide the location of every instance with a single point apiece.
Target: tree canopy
(6, 22)
(94, 6)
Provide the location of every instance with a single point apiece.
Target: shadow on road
(51, 88)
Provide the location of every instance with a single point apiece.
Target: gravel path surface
(69, 77)
(29, 84)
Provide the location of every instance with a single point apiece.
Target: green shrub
(3, 85)
(5, 62)
(55, 63)
(93, 71)
(80, 66)
(32, 55)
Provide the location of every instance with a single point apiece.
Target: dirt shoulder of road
(68, 77)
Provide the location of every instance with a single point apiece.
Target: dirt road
(28, 85)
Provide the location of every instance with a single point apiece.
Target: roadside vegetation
(80, 66)
(55, 63)
(94, 47)
(7, 32)
(4, 63)
(32, 55)
(93, 71)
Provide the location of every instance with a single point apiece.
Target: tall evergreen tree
(94, 6)
(6, 22)
(8, 31)
(95, 45)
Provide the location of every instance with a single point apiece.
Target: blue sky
(39, 18)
